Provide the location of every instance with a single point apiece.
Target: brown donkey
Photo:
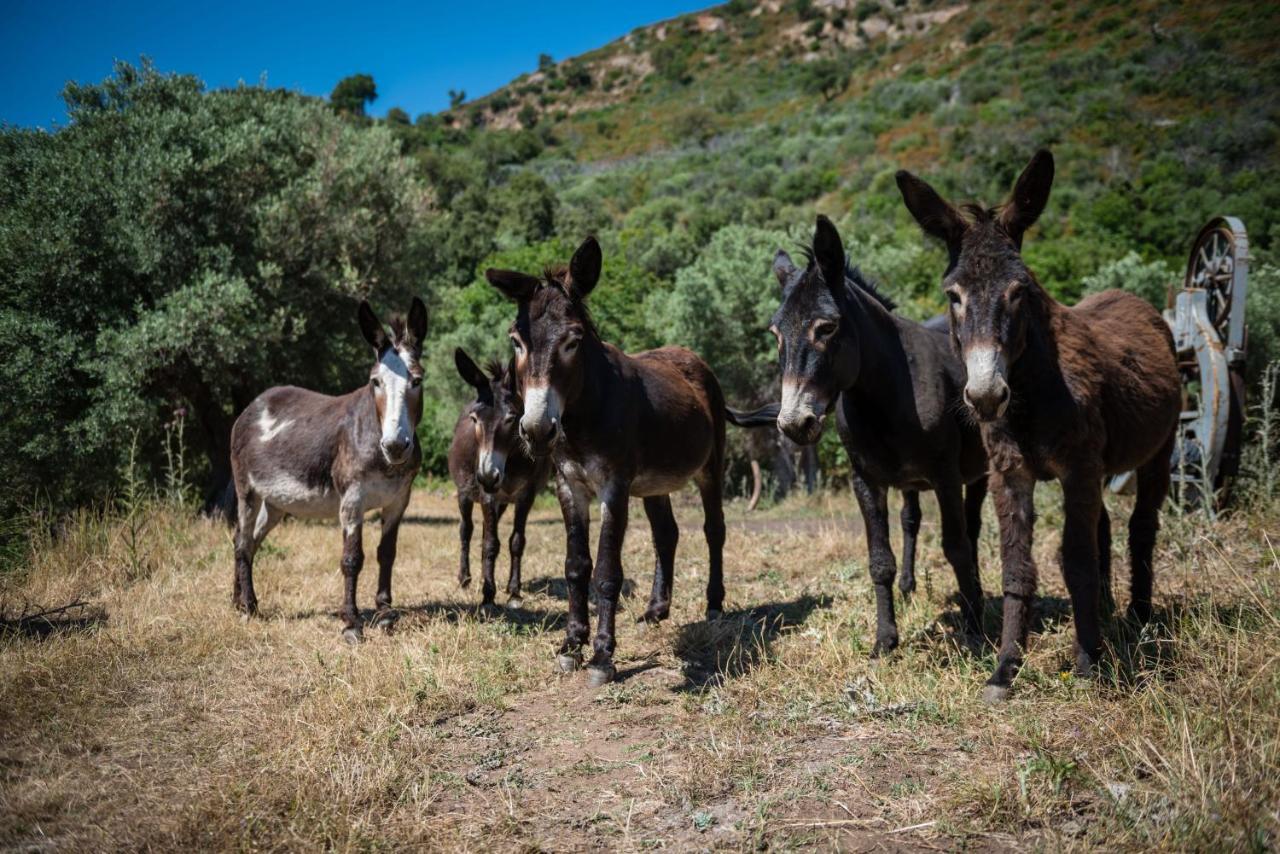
(488, 464)
(1068, 393)
(305, 454)
(616, 426)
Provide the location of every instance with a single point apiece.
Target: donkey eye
(571, 345)
(515, 344)
(1014, 293)
(825, 328)
(510, 419)
(954, 297)
(416, 382)
(377, 383)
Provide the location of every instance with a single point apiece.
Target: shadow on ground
(739, 641)
(76, 617)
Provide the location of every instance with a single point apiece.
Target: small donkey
(489, 465)
(310, 455)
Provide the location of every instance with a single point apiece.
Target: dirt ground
(153, 717)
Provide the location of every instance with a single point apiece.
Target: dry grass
(155, 718)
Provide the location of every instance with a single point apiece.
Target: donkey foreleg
(385, 616)
(1014, 495)
(607, 579)
(910, 529)
(576, 508)
(515, 545)
(490, 512)
(465, 528)
(1082, 500)
(874, 504)
(351, 516)
(959, 553)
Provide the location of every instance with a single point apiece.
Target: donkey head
(992, 294)
(552, 337)
(495, 417)
(395, 380)
(817, 345)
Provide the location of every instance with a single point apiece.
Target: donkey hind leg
(1106, 596)
(384, 615)
(607, 579)
(959, 553)
(1153, 488)
(665, 536)
(249, 509)
(873, 502)
(974, 494)
(465, 529)
(711, 487)
(575, 507)
(910, 529)
(351, 516)
(515, 545)
(1014, 495)
(490, 513)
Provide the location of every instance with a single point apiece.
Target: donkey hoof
(386, 620)
(515, 602)
(568, 662)
(994, 695)
(353, 635)
(652, 616)
(464, 581)
(599, 675)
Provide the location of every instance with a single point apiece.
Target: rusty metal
(1206, 317)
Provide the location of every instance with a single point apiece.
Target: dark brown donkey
(488, 463)
(897, 386)
(310, 455)
(616, 426)
(1068, 393)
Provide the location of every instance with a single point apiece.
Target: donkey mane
(558, 275)
(852, 276)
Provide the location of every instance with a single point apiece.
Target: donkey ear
(783, 267)
(469, 370)
(372, 328)
(1030, 195)
(515, 286)
(935, 215)
(584, 267)
(828, 251)
(417, 325)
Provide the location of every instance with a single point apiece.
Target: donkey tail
(765, 416)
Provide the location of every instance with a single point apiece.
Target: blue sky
(415, 52)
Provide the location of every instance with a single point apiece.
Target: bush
(978, 31)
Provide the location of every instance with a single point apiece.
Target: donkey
(310, 455)
(615, 425)
(1068, 393)
(898, 387)
(488, 465)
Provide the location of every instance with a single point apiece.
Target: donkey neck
(597, 373)
(879, 344)
(1038, 369)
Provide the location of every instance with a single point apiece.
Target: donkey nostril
(1004, 394)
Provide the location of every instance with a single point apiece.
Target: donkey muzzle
(801, 417)
(986, 390)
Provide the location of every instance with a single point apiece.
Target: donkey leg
(465, 528)
(1014, 495)
(910, 529)
(607, 580)
(351, 515)
(1106, 597)
(516, 544)
(243, 599)
(711, 487)
(1082, 496)
(959, 552)
(1153, 488)
(974, 494)
(874, 504)
(384, 615)
(665, 536)
(490, 513)
(576, 508)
